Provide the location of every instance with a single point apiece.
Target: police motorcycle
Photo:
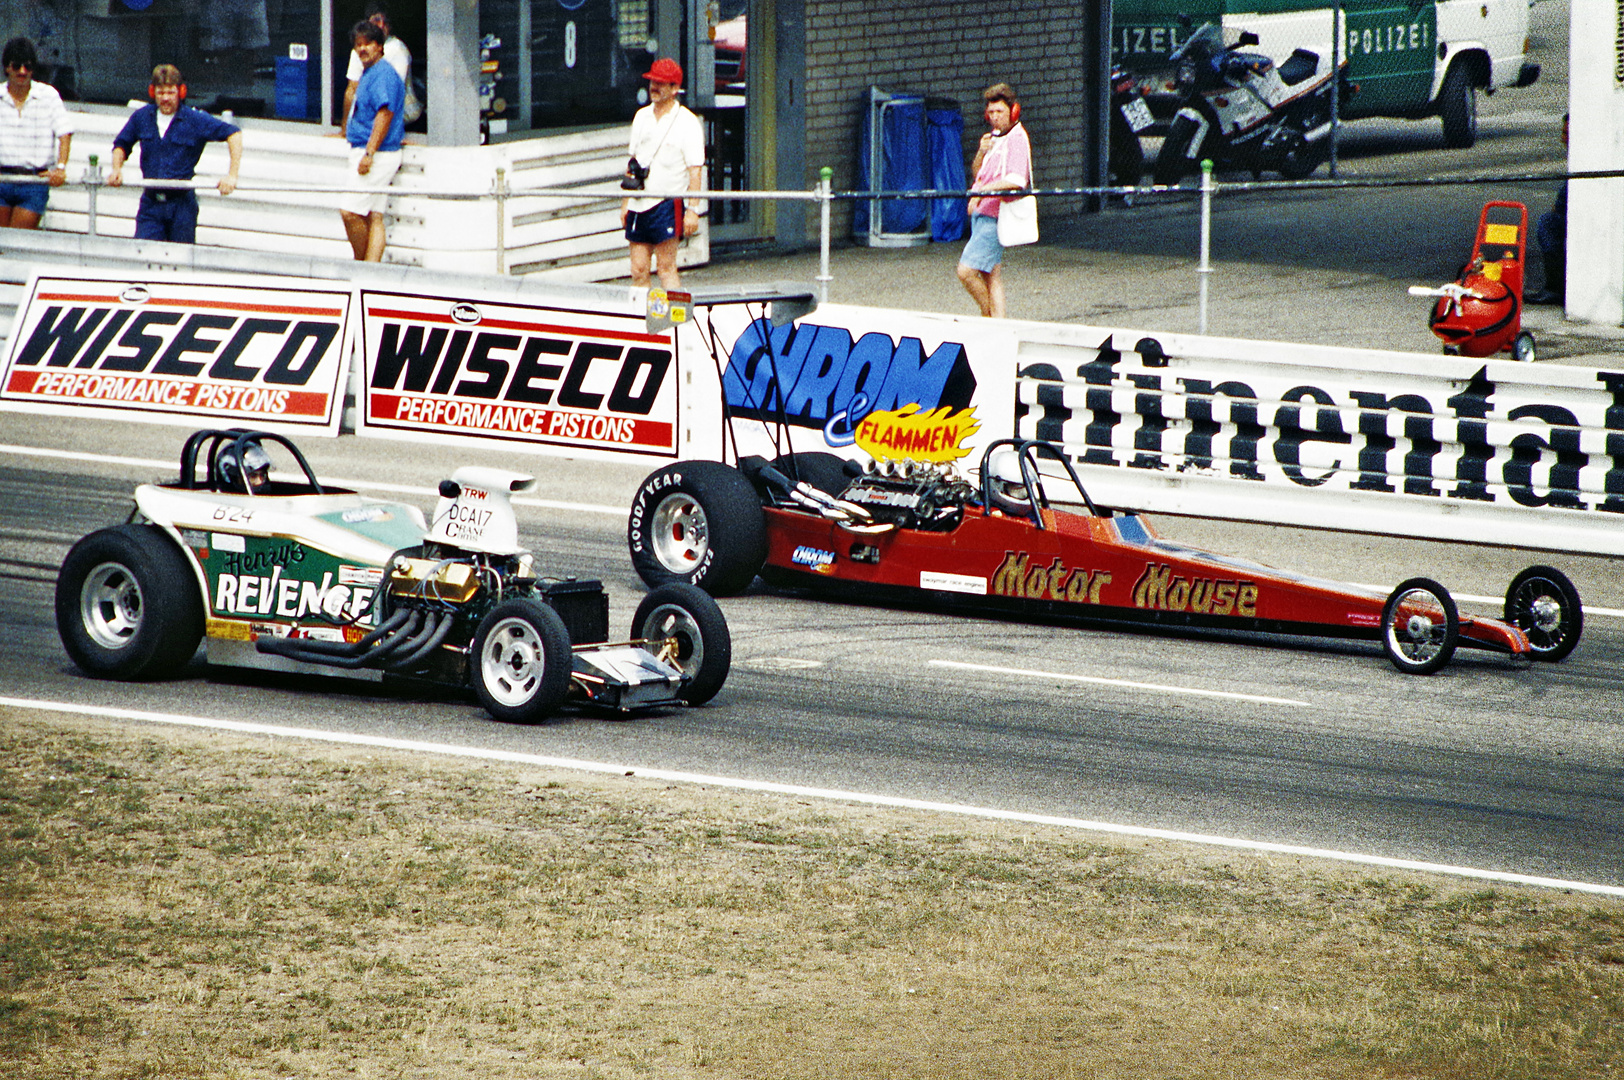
(1129, 116)
(1240, 109)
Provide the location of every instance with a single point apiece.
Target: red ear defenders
(1014, 113)
(152, 91)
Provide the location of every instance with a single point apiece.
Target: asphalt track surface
(1490, 764)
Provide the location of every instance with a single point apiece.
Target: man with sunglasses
(35, 132)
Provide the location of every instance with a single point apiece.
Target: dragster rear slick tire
(128, 604)
(699, 522)
(822, 470)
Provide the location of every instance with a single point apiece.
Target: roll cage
(1028, 451)
(210, 445)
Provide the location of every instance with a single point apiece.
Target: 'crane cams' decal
(818, 377)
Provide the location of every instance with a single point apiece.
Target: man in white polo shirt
(35, 132)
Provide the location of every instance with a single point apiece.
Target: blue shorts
(983, 252)
(653, 226)
(25, 196)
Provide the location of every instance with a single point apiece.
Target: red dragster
(921, 532)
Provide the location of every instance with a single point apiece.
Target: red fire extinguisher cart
(1481, 314)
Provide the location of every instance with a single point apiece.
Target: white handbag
(1018, 221)
(1018, 218)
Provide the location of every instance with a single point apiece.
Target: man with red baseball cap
(667, 156)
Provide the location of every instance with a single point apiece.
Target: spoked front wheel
(1543, 604)
(1420, 626)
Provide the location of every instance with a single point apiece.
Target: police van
(1405, 58)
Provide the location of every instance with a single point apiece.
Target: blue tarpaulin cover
(949, 218)
(902, 168)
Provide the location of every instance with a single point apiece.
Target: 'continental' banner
(271, 353)
(455, 367)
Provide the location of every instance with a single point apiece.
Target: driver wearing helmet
(251, 475)
(1007, 485)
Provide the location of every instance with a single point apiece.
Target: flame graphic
(907, 433)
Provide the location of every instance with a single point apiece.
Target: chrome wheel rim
(1540, 615)
(512, 662)
(1419, 626)
(681, 533)
(675, 636)
(110, 605)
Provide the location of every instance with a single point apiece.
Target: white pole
(326, 73)
(1205, 269)
(501, 219)
(825, 191)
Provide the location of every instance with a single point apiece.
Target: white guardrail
(1363, 440)
(1354, 439)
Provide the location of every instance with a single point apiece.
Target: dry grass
(177, 904)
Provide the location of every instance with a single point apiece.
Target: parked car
(1421, 59)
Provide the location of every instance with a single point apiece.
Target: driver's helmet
(250, 474)
(1006, 482)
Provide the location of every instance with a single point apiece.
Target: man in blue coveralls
(172, 138)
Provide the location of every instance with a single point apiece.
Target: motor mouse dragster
(917, 532)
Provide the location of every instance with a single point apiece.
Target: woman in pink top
(1003, 163)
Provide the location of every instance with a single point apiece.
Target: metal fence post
(92, 182)
(501, 219)
(1205, 269)
(1336, 82)
(825, 197)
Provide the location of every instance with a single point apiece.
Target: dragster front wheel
(1420, 626)
(520, 662)
(683, 624)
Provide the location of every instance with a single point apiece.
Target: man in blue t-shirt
(375, 131)
(172, 138)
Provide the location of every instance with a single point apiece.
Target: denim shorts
(25, 196)
(983, 252)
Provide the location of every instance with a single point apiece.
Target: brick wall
(946, 49)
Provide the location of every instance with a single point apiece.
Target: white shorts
(385, 163)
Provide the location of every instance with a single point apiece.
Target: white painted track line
(1617, 613)
(862, 798)
(1157, 688)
